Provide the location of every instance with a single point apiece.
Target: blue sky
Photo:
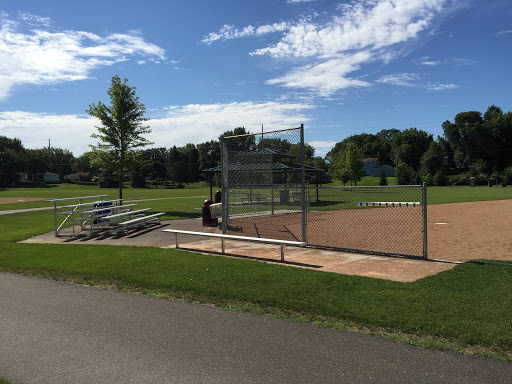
(204, 67)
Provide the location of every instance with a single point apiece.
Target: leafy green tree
(409, 145)
(277, 144)
(309, 152)
(245, 143)
(339, 168)
(354, 162)
(11, 160)
(191, 154)
(348, 164)
(180, 173)
(467, 137)
(35, 163)
(209, 154)
(122, 130)
(405, 174)
(432, 159)
(82, 163)
(61, 161)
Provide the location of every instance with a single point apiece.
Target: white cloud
(196, 123)
(44, 57)
(327, 77)
(229, 32)
(402, 79)
(33, 129)
(440, 86)
(193, 123)
(322, 147)
(367, 24)
(426, 61)
(34, 19)
(361, 31)
(505, 32)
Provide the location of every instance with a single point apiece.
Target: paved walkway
(52, 332)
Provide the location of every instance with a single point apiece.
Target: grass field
(466, 309)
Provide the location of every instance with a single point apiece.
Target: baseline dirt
(9, 200)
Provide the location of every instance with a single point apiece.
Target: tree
(122, 130)
(35, 163)
(383, 181)
(244, 144)
(432, 159)
(409, 145)
(309, 152)
(11, 157)
(339, 167)
(209, 154)
(348, 164)
(355, 162)
(405, 175)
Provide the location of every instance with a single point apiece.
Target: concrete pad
(389, 268)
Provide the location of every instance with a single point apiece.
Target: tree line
(472, 145)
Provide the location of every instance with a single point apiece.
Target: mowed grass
(60, 191)
(466, 309)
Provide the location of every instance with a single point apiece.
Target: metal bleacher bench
(126, 225)
(223, 237)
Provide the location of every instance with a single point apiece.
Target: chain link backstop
(265, 194)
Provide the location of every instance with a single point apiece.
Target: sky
(204, 67)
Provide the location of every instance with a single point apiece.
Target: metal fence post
(303, 184)
(424, 205)
(224, 183)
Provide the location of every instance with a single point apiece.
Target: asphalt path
(51, 332)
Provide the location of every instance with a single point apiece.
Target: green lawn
(60, 191)
(435, 195)
(466, 309)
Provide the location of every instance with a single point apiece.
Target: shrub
(84, 176)
(383, 179)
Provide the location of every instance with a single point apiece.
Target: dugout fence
(269, 191)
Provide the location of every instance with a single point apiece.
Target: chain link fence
(263, 185)
(387, 220)
(264, 194)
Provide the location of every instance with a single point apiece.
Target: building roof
(278, 166)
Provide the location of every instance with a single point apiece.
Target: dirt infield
(467, 231)
(385, 230)
(9, 200)
(456, 232)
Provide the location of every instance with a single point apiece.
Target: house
(51, 178)
(372, 167)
